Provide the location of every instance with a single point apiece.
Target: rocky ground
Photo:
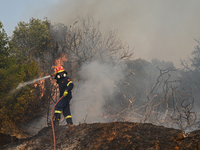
(110, 136)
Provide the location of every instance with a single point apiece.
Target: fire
(41, 83)
(106, 116)
(124, 96)
(57, 62)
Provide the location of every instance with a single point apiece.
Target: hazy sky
(163, 29)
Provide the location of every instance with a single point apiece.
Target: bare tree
(168, 103)
(176, 102)
(85, 42)
(82, 43)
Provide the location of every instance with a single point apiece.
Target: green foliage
(196, 58)
(192, 64)
(4, 43)
(19, 107)
(139, 81)
(23, 106)
(191, 70)
(141, 77)
(30, 40)
(12, 74)
(138, 67)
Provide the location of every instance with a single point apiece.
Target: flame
(57, 62)
(106, 116)
(40, 84)
(124, 96)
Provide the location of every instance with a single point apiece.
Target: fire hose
(54, 137)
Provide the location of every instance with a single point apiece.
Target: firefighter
(65, 87)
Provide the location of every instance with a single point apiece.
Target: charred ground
(114, 135)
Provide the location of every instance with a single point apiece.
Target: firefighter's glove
(65, 93)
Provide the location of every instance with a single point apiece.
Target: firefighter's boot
(56, 121)
(70, 125)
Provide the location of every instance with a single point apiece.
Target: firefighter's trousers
(63, 105)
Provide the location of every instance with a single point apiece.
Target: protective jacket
(65, 84)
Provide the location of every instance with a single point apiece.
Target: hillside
(110, 136)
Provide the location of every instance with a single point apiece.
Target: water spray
(31, 82)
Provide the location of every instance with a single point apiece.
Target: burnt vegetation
(149, 92)
(114, 135)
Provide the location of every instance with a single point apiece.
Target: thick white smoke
(156, 29)
(97, 83)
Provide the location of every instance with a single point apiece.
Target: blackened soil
(5, 139)
(111, 136)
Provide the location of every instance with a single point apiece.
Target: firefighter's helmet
(60, 73)
(59, 69)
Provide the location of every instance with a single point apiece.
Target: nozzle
(53, 74)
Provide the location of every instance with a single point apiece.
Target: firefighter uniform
(65, 87)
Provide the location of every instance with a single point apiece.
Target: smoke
(97, 83)
(36, 125)
(155, 29)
